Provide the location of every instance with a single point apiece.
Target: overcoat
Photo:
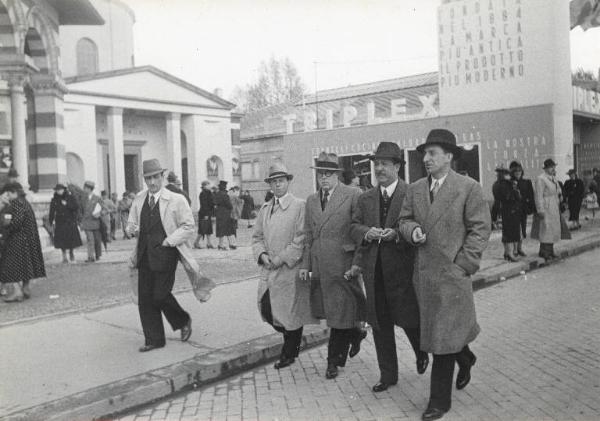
(88, 221)
(281, 235)
(64, 215)
(329, 253)
(511, 209)
(548, 196)
(457, 225)
(396, 259)
(22, 257)
(223, 209)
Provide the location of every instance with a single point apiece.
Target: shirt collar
(156, 195)
(331, 190)
(390, 189)
(439, 180)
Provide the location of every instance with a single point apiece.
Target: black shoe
(332, 371)
(150, 347)
(284, 362)
(521, 253)
(355, 344)
(464, 374)
(186, 331)
(510, 258)
(432, 414)
(422, 364)
(382, 386)
(232, 247)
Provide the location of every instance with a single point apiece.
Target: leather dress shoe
(433, 414)
(284, 362)
(331, 372)
(422, 364)
(150, 347)
(186, 331)
(464, 374)
(383, 386)
(355, 344)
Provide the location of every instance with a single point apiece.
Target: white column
(173, 163)
(19, 139)
(116, 152)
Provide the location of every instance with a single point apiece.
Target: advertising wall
(523, 134)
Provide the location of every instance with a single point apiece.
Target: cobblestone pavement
(538, 359)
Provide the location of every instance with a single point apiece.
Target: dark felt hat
(441, 137)
(388, 150)
(571, 171)
(223, 183)
(549, 163)
(502, 170)
(171, 177)
(89, 184)
(327, 161)
(60, 186)
(515, 165)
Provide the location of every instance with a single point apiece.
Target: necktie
(275, 206)
(434, 189)
(386, 205)
(324, 200)
(151, 202)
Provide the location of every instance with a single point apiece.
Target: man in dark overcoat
(91, 208)
(386, 261)
(446, 217)
(336, 294)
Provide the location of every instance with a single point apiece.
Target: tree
(278, 81)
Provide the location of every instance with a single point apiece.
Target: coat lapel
(444, 198)
(337, 199)
(395, 205)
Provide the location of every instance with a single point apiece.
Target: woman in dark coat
(510, 209)
(223, 216)
(205, 214)
(574, 192)
(22, 258)
(527, 200)
(248, 209)
(63, 213)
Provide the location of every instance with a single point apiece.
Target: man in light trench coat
(336, 294)
(445, 216)
(278, 245)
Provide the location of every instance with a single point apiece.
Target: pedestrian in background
(349, 178)
(248, 212)
(114, 216)
(91, 209)
(386, 262)
(205, 214)
(527, 200)
(123, 211)
(63, 214)
(546, 225)
(278, 246)
(446, 217)
(574, 193)
(174, 185)
(496, 195)
(591, 202)
(21, 259)
(509, 197)
(237, 205)
(336, 294)
(108, 208)
(224, 224)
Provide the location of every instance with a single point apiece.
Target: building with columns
(74, 107)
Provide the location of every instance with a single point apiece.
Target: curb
(104, 401)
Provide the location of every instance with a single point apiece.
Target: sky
(334, 43)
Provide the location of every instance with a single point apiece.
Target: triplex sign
(398, 112)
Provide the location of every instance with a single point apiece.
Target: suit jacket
(329, 253)
(396, 259)
(457, 225)
(88, 221)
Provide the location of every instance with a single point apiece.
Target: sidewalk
(86, 365)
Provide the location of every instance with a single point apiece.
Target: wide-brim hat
(571, 171)
(171, 177)
(278, 170)
(152, 167)
(223, 183)
(327, 161)
(444, 138)
(89, 184)
(60, 186)
(388, 150)
(514, 165)
(502, 170)
(549, 163)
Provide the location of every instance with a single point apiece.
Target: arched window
(87, 57)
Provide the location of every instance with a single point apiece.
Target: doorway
(132, 172)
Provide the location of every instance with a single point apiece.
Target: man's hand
(389, 234)
(541, 215)
(276, 262)
(418, 236)
(132, 229)
(373, 234)
(266, 261)
(352, 273)
(303, 274)
(165, 243)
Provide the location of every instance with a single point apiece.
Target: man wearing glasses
(336, 294)
(162, 221)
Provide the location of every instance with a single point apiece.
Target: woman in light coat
(277, 245)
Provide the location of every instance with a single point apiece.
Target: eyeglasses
(325, 174)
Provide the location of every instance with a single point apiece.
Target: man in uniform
(446, 217)
(336, 294)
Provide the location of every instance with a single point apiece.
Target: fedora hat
(549, 163)
(388, 150)
(327, 161)
(152, 167)
(89, 184)
(502, 170)
(515, 165)
(223, 183)
(444, 138)
(571, 171)
(278, 170)
(60, 186)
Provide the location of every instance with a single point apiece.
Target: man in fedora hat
(574, 194)
(386, 261)
(278, 245)
(546, 226)
(162, 221)
(446, 217)
(174, 184)
(90, 222)
(336, 294)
